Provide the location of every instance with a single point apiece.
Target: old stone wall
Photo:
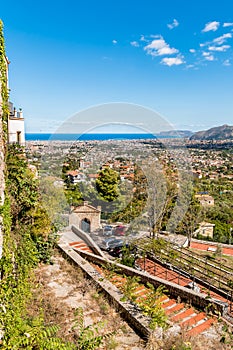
(85, 212)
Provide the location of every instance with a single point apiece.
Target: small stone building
(206, 229)
(86, 217)
(205, 200)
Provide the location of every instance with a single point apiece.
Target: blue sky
(175, 57)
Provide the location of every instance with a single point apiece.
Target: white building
(16, 130)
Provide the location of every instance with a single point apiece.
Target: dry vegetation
(62, 288)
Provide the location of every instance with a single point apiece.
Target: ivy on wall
(4, 88)
(22, 251)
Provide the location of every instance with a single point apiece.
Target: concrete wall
(88, 240)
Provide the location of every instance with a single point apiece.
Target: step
(141, 291)
(140, 298)
(162, 299)
(168, 303)
(74, 243)
(193, 320)
(86, 249)
(182, 315)
(173, 309)
(201, 327)
(80, 245)
(118, 284)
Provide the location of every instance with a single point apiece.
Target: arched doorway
(86, 225)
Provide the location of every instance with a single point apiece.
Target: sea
(91, 137)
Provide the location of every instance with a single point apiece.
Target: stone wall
(88, 240)
(85, 211)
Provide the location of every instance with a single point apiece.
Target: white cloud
(218, 41)
(211, 26)
(219, 48)
(172, 61)
(221, 39)
(114, 42)
(227, 63)
(159, 47)
(228, 24)
(134, 43)
(143, 38)
(192, 50)
(208, 56)
(174, 24)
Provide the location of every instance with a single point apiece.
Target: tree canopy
(107, 184)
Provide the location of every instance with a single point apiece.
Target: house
(93, 177)
(205, 229)
(75, 176)
(205, 200)
(16, 130)
(86, 217)
(197, 174)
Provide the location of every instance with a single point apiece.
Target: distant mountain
(222, 132)
(176, 133)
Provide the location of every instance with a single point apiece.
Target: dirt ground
(63, 289)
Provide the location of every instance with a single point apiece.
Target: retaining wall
(88, 240)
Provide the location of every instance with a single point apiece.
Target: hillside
(176, 133)
(222, 132)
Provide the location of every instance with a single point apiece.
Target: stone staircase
(192, 321)
(157, 270)
(81, 245)
(189, 319)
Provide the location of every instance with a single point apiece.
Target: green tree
(191, 219)
(74, 195)
(107, 184)
(21, 183)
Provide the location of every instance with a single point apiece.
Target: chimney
(20, 113)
